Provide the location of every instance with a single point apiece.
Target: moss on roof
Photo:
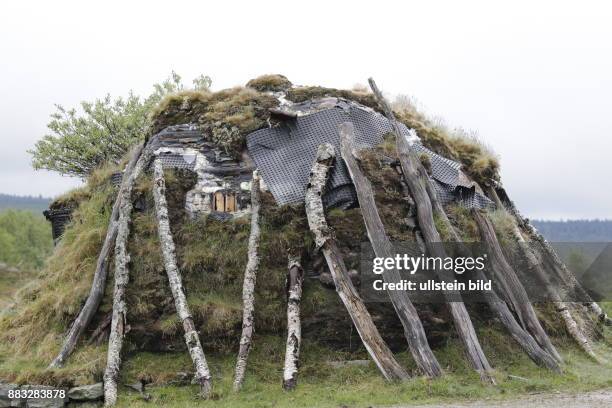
(304, 93)
(478, 161)
(270, 83)
(226, 117)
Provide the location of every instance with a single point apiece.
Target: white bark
(122, 259)
(295, 275)
(248, 287)
(135, 166)
(373, 342)
(176, 285)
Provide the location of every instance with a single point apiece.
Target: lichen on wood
(192, 339)
(373, 342)
(248, 289)
(138, 161)
(295, 276)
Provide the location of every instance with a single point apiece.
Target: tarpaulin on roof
(285, 155)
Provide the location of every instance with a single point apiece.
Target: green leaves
(100, 131)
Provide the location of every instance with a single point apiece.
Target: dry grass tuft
(270, 83)
(478, 159)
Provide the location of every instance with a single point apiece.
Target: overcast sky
(533, 78)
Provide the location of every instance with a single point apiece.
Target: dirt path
(593, 399)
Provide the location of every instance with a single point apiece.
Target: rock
(5, 401)
(87, 392)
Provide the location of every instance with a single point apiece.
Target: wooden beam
(416, 178)
(295, 277)
(248, 287)
(413, 328)
(176, 285)
(515, 293)
(373, 342)
(138, 161)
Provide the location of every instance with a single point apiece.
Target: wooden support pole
(413, 328)
(497, 306)
(416, 178)
(295, 277)
(248, 287)
(137, 162)
(514, 292)
(373, 342)
(563, 308)
(554, 263)
(176, 285)
(119, 318)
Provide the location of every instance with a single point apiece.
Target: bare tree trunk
(119, 320)
(99, 280)
(413, 328)
(373, 342)
(295, 276)
(512, 289)
(498, 306)
(557, 266)
(248, 287)
(176, 285)
(416, 178)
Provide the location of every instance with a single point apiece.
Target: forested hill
(30, 203)
(575, 230)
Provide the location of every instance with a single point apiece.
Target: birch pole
(295, 276)
(416, 178)
(101, 273)
(176, 286)
(413, 328)
(248, 287)
(373, 342)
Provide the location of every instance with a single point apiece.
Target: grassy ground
(10, 282)
(321, 385)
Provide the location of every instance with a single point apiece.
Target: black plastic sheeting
(285, 154)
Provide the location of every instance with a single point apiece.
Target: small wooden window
(225, 201)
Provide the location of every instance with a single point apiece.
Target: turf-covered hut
(244, 209)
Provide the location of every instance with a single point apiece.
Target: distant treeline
(25, 239)
(575, 230)
(29, 203)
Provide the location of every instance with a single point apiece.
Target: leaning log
(563, 308)
(545, 250)
(248, 287)
(497, 306)
(176, 286)
(119, 319)
(512, 289)
(416, 178)
(373, 342)
(137, 162)
(295, 276)
(413, 328)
